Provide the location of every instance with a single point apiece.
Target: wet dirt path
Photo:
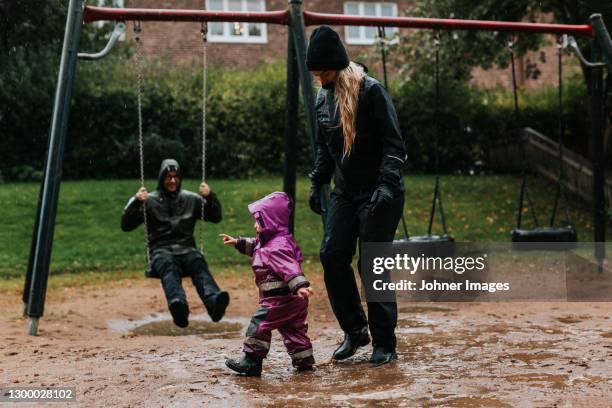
(117, 346)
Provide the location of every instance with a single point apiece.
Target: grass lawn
(88, 236)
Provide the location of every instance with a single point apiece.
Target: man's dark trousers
(172, 268)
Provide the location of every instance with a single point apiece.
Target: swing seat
(429, 245)
(559, 238)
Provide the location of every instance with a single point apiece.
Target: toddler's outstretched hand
(227, 240)
(305, 293)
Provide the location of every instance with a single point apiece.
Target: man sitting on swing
(171, 218)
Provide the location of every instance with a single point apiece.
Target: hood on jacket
(167, 166)
(272, 213)
(365, 68)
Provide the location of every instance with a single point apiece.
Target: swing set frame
(296, 19)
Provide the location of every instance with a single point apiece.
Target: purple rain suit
(276, 264)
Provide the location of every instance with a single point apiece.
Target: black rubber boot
(350, 344)
(249, 365)
(180, 312)
(218, 305)
(381, 356)
(304, 368)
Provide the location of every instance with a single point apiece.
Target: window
(110, 3)
(237, 32)
(368, 35)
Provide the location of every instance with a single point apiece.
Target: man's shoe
(350, 344)
(180, 312)
(248, 365)
(219, 305)
(381, 356)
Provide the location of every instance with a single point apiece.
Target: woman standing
(360, 143)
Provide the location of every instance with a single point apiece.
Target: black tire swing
(139, 84)
(560, 237)
(440, 245)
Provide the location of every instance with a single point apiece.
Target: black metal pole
(53, 168)
(599, 204)
(602, 36)
(291, 119)
(296, 23)
(28, 276)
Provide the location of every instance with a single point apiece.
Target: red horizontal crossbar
(91, 14)
(313, 18)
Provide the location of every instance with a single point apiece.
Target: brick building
(245, 46)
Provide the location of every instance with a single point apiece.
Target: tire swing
(548, 237)
(139, 85)
(432, 245)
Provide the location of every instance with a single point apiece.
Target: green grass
(88, 236)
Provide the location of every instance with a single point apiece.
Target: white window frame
(362, 40)
(110, 3)
(245, 37)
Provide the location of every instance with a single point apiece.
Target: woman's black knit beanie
(325, 51)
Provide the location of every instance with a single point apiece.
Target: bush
(245, 123)
(25, 172)
(470, 119)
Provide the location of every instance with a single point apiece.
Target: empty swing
(439, 245)
(139, 85)
(561, 237)
(383, 57)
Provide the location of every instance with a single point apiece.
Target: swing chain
(382, 37)
(514, 82)
(437, 198)
(524, 190)
(204, 32)
(139, 82)
(437, 39)
(562, 45)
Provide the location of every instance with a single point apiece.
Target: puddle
(501, 328)
(414, 323)
(414, 330)
(570, 319)
(548, 345)
(425, 308)
(540, 380)
(472, 401)
(167, 328)
(330, 384)
(547, 330)
(528, 357)
(161, 325)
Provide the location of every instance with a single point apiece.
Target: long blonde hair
(346, 88)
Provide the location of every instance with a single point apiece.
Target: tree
(31, 36)
(464, 50)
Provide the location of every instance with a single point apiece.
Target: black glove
(314, 200)
(381, 196)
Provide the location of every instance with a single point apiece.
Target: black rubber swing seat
(429, 245)
(559, 238)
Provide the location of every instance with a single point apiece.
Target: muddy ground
(116, 345)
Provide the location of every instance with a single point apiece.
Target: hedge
(245, 121)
